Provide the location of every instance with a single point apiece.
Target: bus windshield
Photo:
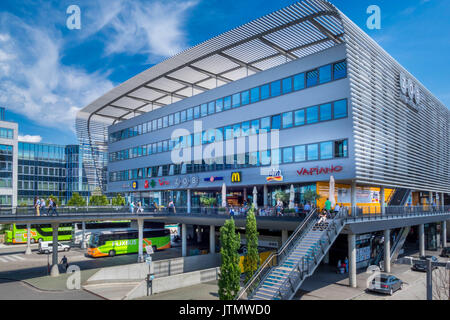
(93, 240)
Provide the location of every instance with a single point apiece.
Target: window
(165, 146)
(227, 103)
(326, 150)
(287, 155)
(189, 114)
(299, 117)
(254, 127)
(219, 105)
(177, 117)
(313, 152)
(204, 110)
(275, 88)
(312, 78)
(228, 132)
(265, 124)
(287, 85)
(265, 157)
(276, 125)
(154, 125)
(211, 107)
(312, 114)
(245, 97)
(159, 123)
(254, 95)
(237, 130)
(325, 112)
(341, 149)
(170, 119)
(299, 81)
(196, 112)
(276, 156)
(287, 120)
(165, 121)
(265, 91)
(236, 100)
(219, 134)
(325, 74)
(340, 70)
(245, 128)
(340, 109)
(300, 153)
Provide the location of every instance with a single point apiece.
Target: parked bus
(39, 232)
(111, 243)
(92, 227)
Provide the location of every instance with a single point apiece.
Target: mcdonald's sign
(236, 177)
(134, 185)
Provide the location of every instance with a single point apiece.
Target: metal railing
(278, 257)
(374, 213)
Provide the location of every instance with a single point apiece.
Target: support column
(442, 201)
(382, 201)
(28, 250)
(352, 260)
(265, 194)
(326, 258)
(55, 270)
(430, 200)
(188, 200)
(140, 240)
(83, 239)
(353, 198)
(183, 240)
(284, 236)
(387, 251)
(199, 234)
(422, 240)
(444, 233)
(245, 194)
(212, 239)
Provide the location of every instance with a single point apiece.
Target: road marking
(2, 259)
(10, 258)
(19, 257)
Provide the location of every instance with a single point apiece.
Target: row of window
(310, 115)
(6, 150)
(31, 151)
(41, 185)
(276, 88)
(6, 133)
(301, 153)
(41, 171)
(5, 182)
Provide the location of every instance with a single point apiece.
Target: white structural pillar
(430, 199)
(266, 195)
(422, 240)
(55, 270)
(140, 240)
(212, 239)
(382, 200)
(183, 240)
(188, 200)
(442, 201)
(284, 236)
(353, 197)
(352, 260)
(28, 250)
(387, 250)
(444, 233)
(83, 235)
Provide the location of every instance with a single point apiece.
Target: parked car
(445, 252)
(47, 247)
(422, 265)
(386, 284)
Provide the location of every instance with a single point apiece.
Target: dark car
(445, 252)
(422, 265)
(386, 284)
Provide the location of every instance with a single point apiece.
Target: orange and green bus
(39, 232)
(111, 243)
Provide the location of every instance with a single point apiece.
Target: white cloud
(32, 139)
(34, 82)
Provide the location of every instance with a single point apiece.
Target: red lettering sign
(318, 171)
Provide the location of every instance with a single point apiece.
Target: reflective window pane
(325, 74)
(299, 81)
(326, 150)
(254, 95)
(219, 105)
(236, 100)
(211, 107)
(325, 112)
(300, 153)
(190, 114)
(276, 122)
(340, 70)
(313, 152)
(265, 124)
(287, 85)
(204, 110)
(227, 103)
(287, 155)
(312, 78)
(312, 114)
(197, 112)
(340, 109)
(287, 120)
(254, 127)
(275, 88)
(299, 116)
(245, 97)
(265, 91)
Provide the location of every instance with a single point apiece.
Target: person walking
(346, 264)
(139, 207)
(328, 206)
(172, 206)
(42, 205)
(65, 263)
(50, 205)
(132, 207)
(37, 206)
(155, 206)
(307, 207)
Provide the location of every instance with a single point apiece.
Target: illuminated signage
(134, 185)
(274, 175)
(236, 177)
(212, 179)
(319, 170)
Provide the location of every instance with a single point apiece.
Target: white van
(47, 247)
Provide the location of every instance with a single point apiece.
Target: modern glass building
(283, 102)
(8, 161)
(46, 169)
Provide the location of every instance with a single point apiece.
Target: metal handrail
(271, 257)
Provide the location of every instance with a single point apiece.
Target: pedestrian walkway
(12, 258)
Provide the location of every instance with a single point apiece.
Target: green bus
(111, 243)
(39, 232)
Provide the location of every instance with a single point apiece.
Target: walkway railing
(393, 212)
(278, 257)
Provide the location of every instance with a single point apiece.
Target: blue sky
(48, 72)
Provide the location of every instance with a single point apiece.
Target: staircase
(395, 248)
(283, 273)
(399, 197)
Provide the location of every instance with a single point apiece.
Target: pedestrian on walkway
(346, 264)
(132, 207)
(37, 206)
(328, 206)
(54, 206)
(155, 206)
(65, 263)
(42, 205)
(139, 207)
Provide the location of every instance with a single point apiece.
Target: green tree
(310, 196)
(230, 271)
(281, 195)
(98, 200)
(76, 201)
(54, 199)
(118, 200)
(251, 259)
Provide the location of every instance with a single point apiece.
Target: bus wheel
(112, 253)
(32, 240)
(40, 240)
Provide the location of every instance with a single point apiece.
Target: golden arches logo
(236, 177)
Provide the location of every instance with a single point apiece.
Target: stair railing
(276, 258)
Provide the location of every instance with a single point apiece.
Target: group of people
(136, 207)
(328, 212)
(40, 204)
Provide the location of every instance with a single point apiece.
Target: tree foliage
(310, 196)
(98, 200)
(76, 201)
(251, 259)
(230, 272)
(118, 200)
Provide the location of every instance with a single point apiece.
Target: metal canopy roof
(296, 31)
